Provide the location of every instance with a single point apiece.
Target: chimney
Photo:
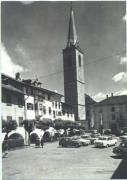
(107, 96)
(111, 94)
(17, 76)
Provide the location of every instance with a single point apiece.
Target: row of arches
(47, 136)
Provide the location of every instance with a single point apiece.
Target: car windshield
(94, 135)
(102, 138)
(85, 137)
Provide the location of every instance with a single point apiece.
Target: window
(20, 101)
(9, 118)
(49, 110)
(79, 60)
(8, 99)
(20, 121)
(113, 109)
(44, 109)
(59, 113)
(63, 112)
(54, 114)
(52, 104)
(29, 106)
(67, 114)
(59, 105)
(28, 91)
(36, 107)
(40, 107)
(56, 104)
(113, 116)
(49, 97)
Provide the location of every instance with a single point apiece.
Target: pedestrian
(5, 148)
(42, 142)
(37, 143)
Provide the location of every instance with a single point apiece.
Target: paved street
(55, 162)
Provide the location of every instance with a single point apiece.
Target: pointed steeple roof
(72, 35)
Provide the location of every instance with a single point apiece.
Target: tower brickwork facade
(74, 82)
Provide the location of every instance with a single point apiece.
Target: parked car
(94, 137)
(93, 131)
(107, 131)
(123, 137)
(121, 150)
(69, 142)
(82, 139)
(105, 141)
(84, 142)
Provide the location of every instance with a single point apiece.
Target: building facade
(22, 100)
(13, 103)
(111, 113)
(90, 103)
(73, 64)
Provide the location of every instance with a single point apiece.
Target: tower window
(79, 59)
(113, 109)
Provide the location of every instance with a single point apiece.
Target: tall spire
(72, 36)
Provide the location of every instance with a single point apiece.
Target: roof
(89, 100)
(114, 100)
(22, 83)
(72, 36)
(12, 88)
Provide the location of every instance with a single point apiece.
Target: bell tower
(73, 63)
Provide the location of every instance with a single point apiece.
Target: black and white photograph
(63, 90)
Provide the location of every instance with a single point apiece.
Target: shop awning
(46, 121)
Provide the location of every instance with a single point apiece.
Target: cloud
(20, 50)
(122, 76)
(122, 92)
(123, 60)
(125, 18)
(8, 67)
(26, 2)
(101, 96)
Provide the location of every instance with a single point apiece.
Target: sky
(34, 34)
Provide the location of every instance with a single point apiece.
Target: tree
(44, 124)
(8, 126)
(59, 124)
(29, 126)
